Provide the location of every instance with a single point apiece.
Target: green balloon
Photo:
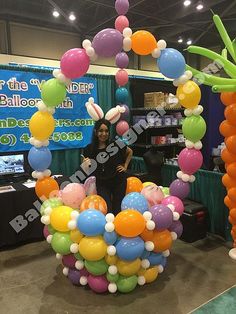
(113, 278)
(194, 128)
(53, 92)
(166, 191)
(96, 268)
(52, 202)
(51, 230)
(61, 243)
(127, 284)
(78, 256)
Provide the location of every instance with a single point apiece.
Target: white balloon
(112, 270)
(74, 214)
(161, 44)
(112, 287)
(127, 44)
(189, 144)
(147, 215)
(58, 256)
(189, 74)
(160, 269)
(47, 173)
(166, 253)
(72, 225)
(56, 72)
(49, 238)
(65, 271)
(74, 248)
(171, 207)
(149, 246)
(192, 178)
(156, 53)
(86, 44)
(150, 225)
(90, 52)
(188, 112)
(113, 115)
(232, 254)
(198, 145)
(95, 112)
(110, 217)
(179, 174)
(79, 265)
(176, 216)
(83, 281)
(48, 210)
(127, 32)
(141, 280)
(173, 236)
(185, 177)
(109, 227)
(111, 250)
(145, 263)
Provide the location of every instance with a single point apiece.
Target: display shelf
(158, 145)
(166, 127)
(141, 110)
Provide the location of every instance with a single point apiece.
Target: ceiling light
(180, 40)
(187, 3)
(72, 17)
(55, 13)
(189, 42)
(200, 6)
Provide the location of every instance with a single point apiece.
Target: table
(19, 217)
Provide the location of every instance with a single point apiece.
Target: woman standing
(110, 175)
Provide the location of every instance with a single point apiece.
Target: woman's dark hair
(97, 125)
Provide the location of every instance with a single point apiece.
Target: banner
(19, 93)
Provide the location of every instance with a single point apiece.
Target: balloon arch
(118, 253)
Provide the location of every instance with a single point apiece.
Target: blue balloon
(145, 254)
(136, 201)
(129, 249)
(164, 261)
(91, 222)
(155, 259)
(122, 95)
(171, 63)
(110, 237)
(39, 158)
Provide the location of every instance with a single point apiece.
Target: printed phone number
(57, 137)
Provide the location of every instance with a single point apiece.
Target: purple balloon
(46, 233)
(74, 276)
(108, 42)
(98, 284)
(125, 115)
(84, 272)
(176, 227)
(69, 260)
(122, 60)
(122, 6)
(180, 189)
(162, 216)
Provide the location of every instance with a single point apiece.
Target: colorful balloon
(92, 248)
(122, 95)
(60, 217)
(153, 194)
(96, 268)
(231, 144)
(61, 243)
(122, 6)
(122, 60)
(94, 202)
(110, 237)
(41, 125)
(52, 202)
(173, 200)
(127, 284)
(179, 189)
(176, 227)
(74, 276)
(189, 95)
(230, 114)
(122, 127)
(69, 260)
(98, 284)
(129, 223)
(190, 160)
(122, 77)
(227, 129)
(125, 115)
(149, 274)
(75, 63)
(73, 194)
(108, 42)
(227, 156)
(134, 185)
(194, 128)
(128, 268)
(121, 23)
(143, 43)
(129, 249)
(91, 222)
(76, 236)
(162, 216)
(136, 201)
(228, 98)
(162, 240)
(39, 158)
(53, 92)
(171, 63)
(46, 188)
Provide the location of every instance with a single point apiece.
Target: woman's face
(103, 133)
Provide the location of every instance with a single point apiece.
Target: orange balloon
(227, 129)
(129, 223)
(231, 170)
(233, 234)
(94, 202)
(133, 185)
(147, 235)
(231, 220)
(232, 194)
(228, 182)
(234, 226)
(162, 240)
(143, 43)
(229, 203)
(231, 144)
(228, 98)
(46, 188)
(227, 156)
(230, 113)
(232, 213)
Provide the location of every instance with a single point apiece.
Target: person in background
(111, 178)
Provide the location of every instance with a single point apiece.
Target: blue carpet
(223, 304)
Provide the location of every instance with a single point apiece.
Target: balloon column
(114, 253)
(227, 87)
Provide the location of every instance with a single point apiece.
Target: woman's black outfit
(111, 184)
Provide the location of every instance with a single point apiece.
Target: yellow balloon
(189, 95)
(76, 236)
(111, 260)
(126, 268)
(93, 248)
(59, 218)
(41, 125)
(148, 183)
(149, 274)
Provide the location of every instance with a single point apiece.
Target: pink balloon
(190, 160)
(46, 233)
(153, 194)
(173, 200)
(69, 260)
(98, 284)
(121, 127)
(121, 23)
(73, 194)
(122, 77)
(75, 63)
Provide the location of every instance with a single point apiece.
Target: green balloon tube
(223, 88)
(194, 128)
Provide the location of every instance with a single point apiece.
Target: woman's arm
(128, 157)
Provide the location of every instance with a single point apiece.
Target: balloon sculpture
(227, 87)
(114, 253)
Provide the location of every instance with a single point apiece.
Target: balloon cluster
(112, 253)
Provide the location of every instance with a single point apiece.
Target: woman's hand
(86, 162)
(121, 168)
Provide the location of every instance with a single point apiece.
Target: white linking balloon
(113, 115)
(94, 110)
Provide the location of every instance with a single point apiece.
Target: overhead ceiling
(165, 19)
